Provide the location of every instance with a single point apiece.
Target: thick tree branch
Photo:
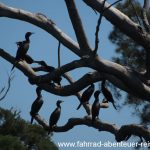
(121, 21)
(119, 133)
(128, 76)
(60, 71)
(77, 25)
(43, 22)
(144, 15)
(22, 65)
(127, 79)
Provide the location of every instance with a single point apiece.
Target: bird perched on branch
(37, 104)
(54, 117)
(51, 69)
(107, 94)
(95, 106)
(86, 95)
(23, 47)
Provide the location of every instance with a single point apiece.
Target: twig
(99, 22)
(144, 15)
(112, 5)
(97, 29)
(2, 90)
(10, 78)
(59, 44)
(135, 12)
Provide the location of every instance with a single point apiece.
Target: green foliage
(8, 142)
(131, 54)
(17, 134)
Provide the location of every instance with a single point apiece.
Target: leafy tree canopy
(130, 53)
(18, 134)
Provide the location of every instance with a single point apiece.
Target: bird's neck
(58, 106)
(39, 96)
(27, 38)
(96, 100)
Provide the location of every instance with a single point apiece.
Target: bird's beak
(32, 33)
(62, 101)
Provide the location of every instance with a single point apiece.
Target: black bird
(55, 116)
(23, 47)
(107, 94)
(47, 67)
(37, 104)
(95, 106)
(86, 95)
(51, 69)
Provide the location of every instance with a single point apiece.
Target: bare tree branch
(22, 65)
(43, 22)
(10, 78)
(119, 133)
(59, 44)
(3, 88)
(77, 25)
(135, 12)
(129, 80)
(147, 63)
(121, 21)
(97, 30)
(144, 15)
(98, 24)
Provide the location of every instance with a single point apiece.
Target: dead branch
(144, 15)
(121, 21)
(77, 25)
(135, 12)
(97, 30)
(10, 78)
(119, 133)
(43, 22)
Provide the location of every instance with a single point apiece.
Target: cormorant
(86, 95)
(107, 94)
(48, 68)
(95, 106)
(37, 104)
(23, 47)
(55, 116)
(51, 69)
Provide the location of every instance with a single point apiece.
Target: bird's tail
(79, 106)
(114, 106)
